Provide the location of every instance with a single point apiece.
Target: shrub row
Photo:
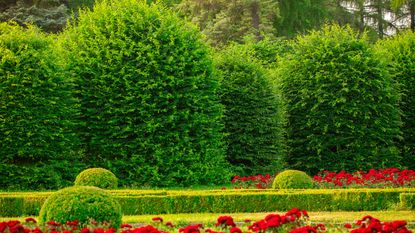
(165, 202)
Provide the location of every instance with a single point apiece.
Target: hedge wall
(228, 201)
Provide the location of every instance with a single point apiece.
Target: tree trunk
(412, 14)
(255, 8)
(379, 18)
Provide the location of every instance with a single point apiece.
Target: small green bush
(81, 203)
(98, 177)
(292, 179)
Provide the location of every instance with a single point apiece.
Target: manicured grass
(316, 217)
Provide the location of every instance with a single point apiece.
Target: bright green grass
(315, 217)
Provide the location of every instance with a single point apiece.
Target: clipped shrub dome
(147, 95)
(81, 203)
(98, 177)
(292, 179)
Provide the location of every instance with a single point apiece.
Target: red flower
(85, 230)
(191, 229)
(225, 221)
(125, 225)
(157, 219)
(169, 224)
(348, 225)
(235, 230)
(30, 220)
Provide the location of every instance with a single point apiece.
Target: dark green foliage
(148, 95)
(252, 117)
(98, 177)
(292, 179)
(81, 203)
(36, 113)
(341, 104)
(49, 15)
(400, 51)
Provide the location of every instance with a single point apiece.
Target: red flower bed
(258, 181)
(294, 221)
(390, 177)
(381, 178)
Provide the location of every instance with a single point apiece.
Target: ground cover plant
(293, 221)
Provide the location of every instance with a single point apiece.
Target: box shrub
(81, 203)
(98, 177)
(292, 179)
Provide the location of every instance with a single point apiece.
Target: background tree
(407, 10)
(342, 109)
(225, 21)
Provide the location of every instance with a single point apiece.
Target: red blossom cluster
(369, 224)
(258, 181)
(389, 177)
(292, 219)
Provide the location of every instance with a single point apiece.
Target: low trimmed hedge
(135, 202)
(408, 200)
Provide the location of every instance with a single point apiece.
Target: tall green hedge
(36, 112)
(149, 105)
(341, 104)
(253, 115)
(400, 51)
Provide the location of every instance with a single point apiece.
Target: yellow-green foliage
(81, 203)
(98, 177)
(292, 179)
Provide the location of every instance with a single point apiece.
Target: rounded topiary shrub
(98, 177)
(147, 95)
(400, 52)
(81, 203)
(253, 116)
(342, 105)
(292, 179)
(37, 112)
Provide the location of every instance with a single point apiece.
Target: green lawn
(210, 218)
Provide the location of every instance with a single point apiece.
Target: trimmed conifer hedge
(400, 52)
(253, 122)
(147, 91)
(37, 112)
(341, 104)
